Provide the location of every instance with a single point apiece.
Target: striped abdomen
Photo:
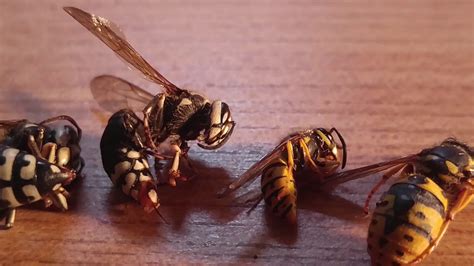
(25, 179)
(278, 188)
(407, 220)
(123, 160)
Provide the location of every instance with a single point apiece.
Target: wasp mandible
(315, 150)
(171, 118)
(411, 217)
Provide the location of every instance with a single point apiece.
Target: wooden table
(393, 77)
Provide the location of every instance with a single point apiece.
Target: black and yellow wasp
(36, 161)
(170, 119)
(52, 139)
(315, 150)
(411, 217)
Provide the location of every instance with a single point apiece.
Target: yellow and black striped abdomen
(407, 220)
(278, 188)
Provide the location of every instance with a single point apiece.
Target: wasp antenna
(259, 199)
(344, 151)
(161, 216)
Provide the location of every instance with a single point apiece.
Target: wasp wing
(6, 126)
(110, 34)
(257, 168)
(113, 93)
(357, 173)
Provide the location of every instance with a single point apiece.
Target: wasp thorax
(220, 127)
(450, 163)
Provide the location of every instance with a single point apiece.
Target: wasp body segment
(25, 179)
(412, 216)
(312, 150)
(407, 219)
(124, 158)
(279, 189)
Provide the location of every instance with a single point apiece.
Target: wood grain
(394, 77)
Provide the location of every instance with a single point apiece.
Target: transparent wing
(112, 36)
(113, 93)
(357, 173)
(256, 170)
(7, 125)
(10, 124)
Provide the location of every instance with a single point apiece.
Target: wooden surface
(393, 77)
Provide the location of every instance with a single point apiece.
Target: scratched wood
(394, 77)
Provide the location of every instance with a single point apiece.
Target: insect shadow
(178, 203)
(313, 196)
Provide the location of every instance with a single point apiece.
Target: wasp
(412, 216)
(315, 150)
(26, 178)
(124, 157)
(52, 141)
(171, 118)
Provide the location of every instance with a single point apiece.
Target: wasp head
(219, 129)
(329, 156)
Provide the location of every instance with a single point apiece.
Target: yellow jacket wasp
(315, 150)
(413, 214)
(36, 161)
(170, 119)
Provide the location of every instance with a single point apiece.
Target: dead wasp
(124, 158)
(315, 150)
(171, 118)
(54, 142)
(26, 178)
(413, 214)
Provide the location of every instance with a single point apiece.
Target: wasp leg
(39, 140)
(48, 151)
(174, 172)
(10, 219)
(309, 160)
(9, 215)
(256, 201)
(59, 198)
(384, 179)
(464, 198)
(146, 126)
(33, 146)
